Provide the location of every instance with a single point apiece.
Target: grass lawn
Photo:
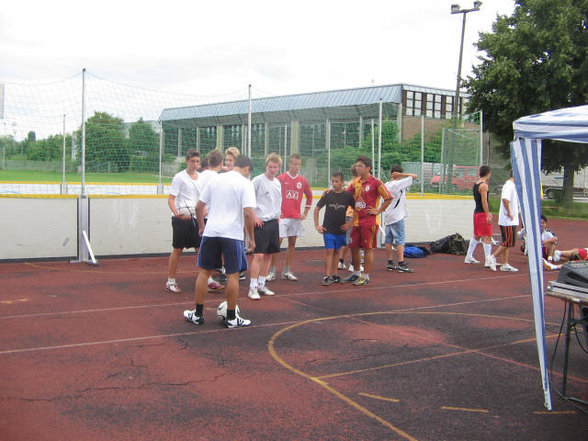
(551, 209)
(72, 178)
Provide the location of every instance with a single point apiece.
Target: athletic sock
(487, 249)
(261, 281)
(286, 269)
(253, 283)
(231, 314)
(391, 262)
(472, 248)
(341, 260)
(171, 281)
(199, 309)
(272, 269)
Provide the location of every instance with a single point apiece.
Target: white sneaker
(508, 268)
(470, 260)
(351, 269)
(556, 255)
(253, 294)
(237, 322)
(289, 276)
(270, 277)
(341, 265)
(190, 315)
(265, 291)
(491, 263)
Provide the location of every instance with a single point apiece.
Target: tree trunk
(568, 187)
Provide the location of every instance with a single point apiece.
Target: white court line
(267, 325)
(350, 289)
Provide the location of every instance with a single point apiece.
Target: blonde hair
(233, 151)
(273, 157)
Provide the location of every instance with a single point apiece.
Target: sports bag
(452, 244)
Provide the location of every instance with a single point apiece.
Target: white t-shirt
(509, 192)
(185, 189)
(226, 196)
(397, 210)
(268, 195)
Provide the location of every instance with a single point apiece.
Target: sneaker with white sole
(341, 265)
(214, 286)
(404, 268)
(193, 318)
(508, 268)
(491, 262)
(173, 288)
(253, 294)
(360, 281)
(289, 276)
(270, 277)
(265, 291)
(351, 269)
(237, 322)
(471, 260)
(326, 281)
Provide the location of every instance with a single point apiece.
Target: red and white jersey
(293, 187)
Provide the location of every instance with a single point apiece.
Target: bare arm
(318, 227)
(483, 189)
(249, 214)
(200, 209)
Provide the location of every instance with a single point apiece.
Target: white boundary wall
(32, 228)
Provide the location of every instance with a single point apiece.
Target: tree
(535, 60)
(106, 145)
(143, 147)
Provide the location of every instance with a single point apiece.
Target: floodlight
(455, 8)
(477, 4)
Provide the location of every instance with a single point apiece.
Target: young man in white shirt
(183, 195)
(394, 218)
(230, 199)
(508, 221)
(268, 196)
(215, 163)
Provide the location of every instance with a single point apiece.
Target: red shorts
(481, 227)
(364, 236)
(583, 253)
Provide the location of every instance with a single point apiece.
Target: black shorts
(185, 233)
(508, 235)
(267, 238)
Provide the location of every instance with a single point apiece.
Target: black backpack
(452, 244)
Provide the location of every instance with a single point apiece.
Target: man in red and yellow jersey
(367, 191)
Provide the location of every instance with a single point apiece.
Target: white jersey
(185, 190)
(226, 196)
(268, 195)
(509, 192)
(397, 210)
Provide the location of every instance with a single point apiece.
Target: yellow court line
(555, 412)
(320, 379)
(465, 409)
(378, 397)
(10, 302)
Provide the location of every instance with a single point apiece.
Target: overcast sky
(217, 47)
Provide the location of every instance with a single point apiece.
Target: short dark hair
(484, 171)
(192, 153)
(243, 161)
(396, 169)
(366, 161)
(339, 175)
(543, 218)
(215, 158)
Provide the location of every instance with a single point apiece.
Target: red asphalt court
(445, 353)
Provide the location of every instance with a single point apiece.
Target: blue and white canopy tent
(571, 125)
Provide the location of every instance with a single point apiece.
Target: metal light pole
(456, 9)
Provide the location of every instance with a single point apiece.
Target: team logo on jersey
(367, 188)
(292, 194)
(299, 185)
(360, 205)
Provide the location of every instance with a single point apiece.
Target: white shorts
(291, 227)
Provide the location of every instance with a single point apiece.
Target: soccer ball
(221, 311)
(188, 208)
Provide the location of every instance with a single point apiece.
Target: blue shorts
(334, 241)
(395, 234)
(214, 249)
